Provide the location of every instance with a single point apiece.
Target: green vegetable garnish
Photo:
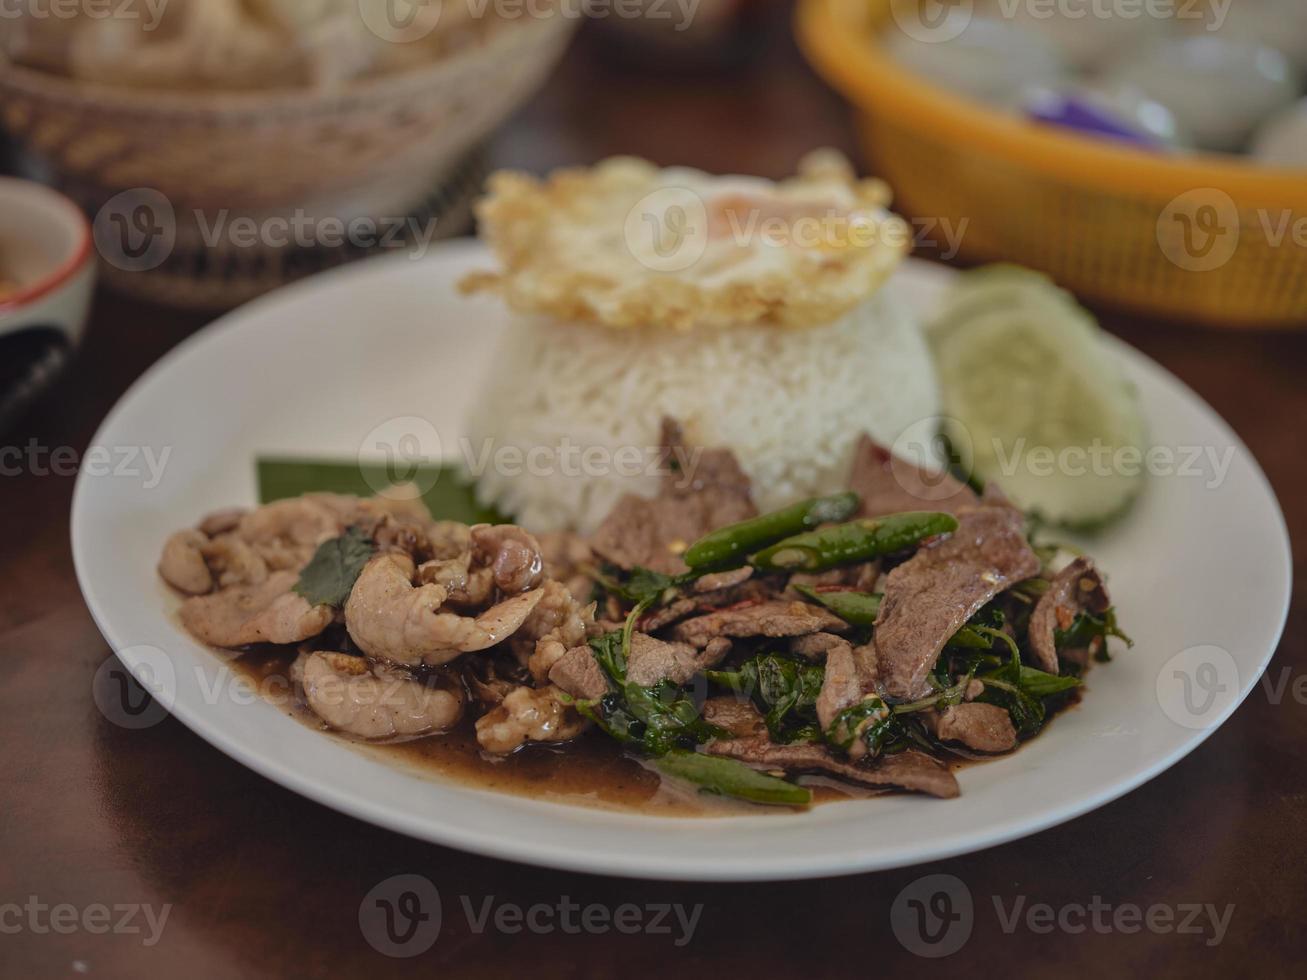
(861, 540)
(656, 719)
(783, 688)
(856, 608)
(733, 542)
(1087, 627)
(330, 575)
(870, 720)
(728, 777)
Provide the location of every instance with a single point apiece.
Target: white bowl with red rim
(47, 274)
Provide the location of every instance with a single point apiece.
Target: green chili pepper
(728, 777)
(855, 541)
(736, 540)
(856, 608)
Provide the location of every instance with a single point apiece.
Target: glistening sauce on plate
(592, 770)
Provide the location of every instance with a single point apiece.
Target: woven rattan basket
(278, 148)
(1203, 239)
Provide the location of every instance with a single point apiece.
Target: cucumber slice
(1034, 401)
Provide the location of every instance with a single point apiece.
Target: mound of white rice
(571, 420)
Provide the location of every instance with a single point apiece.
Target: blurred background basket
(1203, 238)
(382, 146)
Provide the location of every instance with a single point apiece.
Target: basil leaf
(330, 575)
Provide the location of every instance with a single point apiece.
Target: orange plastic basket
(1199, 238)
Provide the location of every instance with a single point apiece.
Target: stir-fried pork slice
(1077, 588)
(557, 623)
(889, 484)
(979, 726)
(512, 555)
(528, 715)
(268, 612)
(702, 491)
(578, 673)
(373, 701)
(909, 769)
(931, 595)
(771, 618)
(182, 564)
(391, 619)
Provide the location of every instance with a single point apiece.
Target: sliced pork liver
(1076, 588)
(771, 618)
(979, 726)
(702, 491)
(579, 674)
(889, 484)
(931, 595)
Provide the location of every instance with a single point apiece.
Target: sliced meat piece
(978, 726)
(861, 577)
(391, 619)
(889, 484)
(849, 679)
(512, 554)
(772, 618)
(673, 612)
(816, 646)
(268, 612)
(182, 564)
(651, 661)
(578, 673)
(371, 701)
(844, 684)
(702, 491)
(1078, 587)
(931, 595)
(736, 715)
(908, 769)
(528, 714)
(714, 581)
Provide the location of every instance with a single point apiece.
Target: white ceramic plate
(1200, 570)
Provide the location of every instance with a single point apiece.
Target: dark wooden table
(260, 882)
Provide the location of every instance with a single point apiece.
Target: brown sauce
(592, 770)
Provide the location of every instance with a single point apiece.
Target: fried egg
(626, 244)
